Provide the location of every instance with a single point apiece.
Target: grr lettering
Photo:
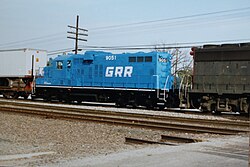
(119, 71)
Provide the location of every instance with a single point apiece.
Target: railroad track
(108, 105)
(165, 140)
(129, 119)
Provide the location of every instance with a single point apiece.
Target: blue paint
(103, 69)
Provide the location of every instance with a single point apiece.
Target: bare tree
(182, 69)
(182, 62)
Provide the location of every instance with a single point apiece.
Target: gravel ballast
(21, 135)
(33, 141)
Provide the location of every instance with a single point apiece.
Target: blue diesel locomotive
(132, 79)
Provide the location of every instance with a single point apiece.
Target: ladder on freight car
(185, 86)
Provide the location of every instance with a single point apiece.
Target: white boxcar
(18, 62)
(18, 70)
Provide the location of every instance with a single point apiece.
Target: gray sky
(43, 23)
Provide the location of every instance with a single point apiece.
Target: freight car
(126, 79)
(221, 78)
(18, 69)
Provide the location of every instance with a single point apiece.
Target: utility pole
(77, 34)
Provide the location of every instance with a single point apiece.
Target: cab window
(69, 64)
(148, 59)
(59, 65)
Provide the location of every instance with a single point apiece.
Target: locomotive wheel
(47, 99)
(149, 104)
(68, 101)
(15, 96)
(10, 95)
(161, 107)
(6, 96)
(120, 102)
(248, 107)
(25, 96)
(248, 114)
(135, 105)
(214, 110)
(195, 104)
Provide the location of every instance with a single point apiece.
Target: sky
(42, 24)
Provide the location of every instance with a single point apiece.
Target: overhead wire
(152, 25)
(159, 46)
(149, 47)
(31, 39)
(165, 26)
(59, 51)
(38, 42)
(171, 19)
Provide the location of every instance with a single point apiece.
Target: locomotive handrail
(165, 85)
(180, 87)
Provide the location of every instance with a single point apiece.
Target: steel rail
(142, 141)
(226, 123)
(121, 120)
(165, 140)
(177, 139)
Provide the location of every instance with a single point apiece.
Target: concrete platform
(230, 151)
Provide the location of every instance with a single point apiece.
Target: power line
(150, 47)
(167, 45)
(59, 51)
(179, 21)
(170, 19)
(181, 24)
(31, 39)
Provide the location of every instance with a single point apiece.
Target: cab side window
(69, 64)
(59, 65)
